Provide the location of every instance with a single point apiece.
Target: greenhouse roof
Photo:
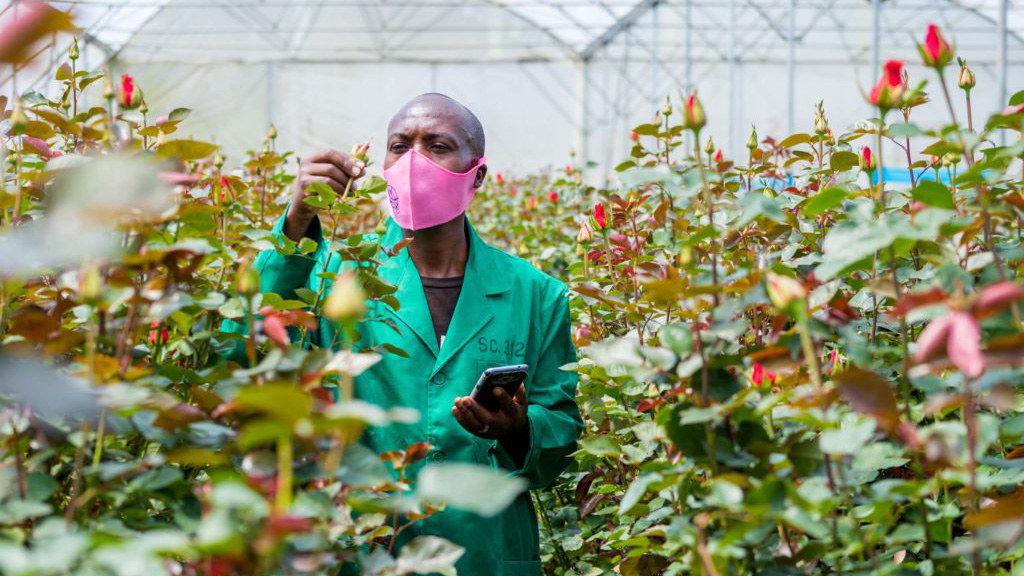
(527, 30)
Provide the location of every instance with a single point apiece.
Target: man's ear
(478, 181)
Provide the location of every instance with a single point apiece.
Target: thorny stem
(327, 260)
(76, 482)
(971, 421)
(283, 496)
(711, 215)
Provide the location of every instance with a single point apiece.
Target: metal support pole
(791, 69)
(689, 45)
(654, 57)
(270, 94)
(733, 83)
(1004, 37)
(584, 113)
(876, 31)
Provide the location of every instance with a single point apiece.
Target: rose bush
(787, 365)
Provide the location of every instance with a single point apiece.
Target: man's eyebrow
(439, 135)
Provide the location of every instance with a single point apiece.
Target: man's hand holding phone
(508, 425)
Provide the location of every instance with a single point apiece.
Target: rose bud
(599, 215)
(272, 133)
(131, 95)
(553, 196)
(718, 156)
(935, 52)
(784, 291)
(247, 283)
(667, 110)
(585, 236)
(709, 148)
(19, 120)
(867, 163)
(346, 301)
(967, 80)
(499, 179)
(693, 114)
(752, 141)
(888, 92)
(634, 136)
(73, 49)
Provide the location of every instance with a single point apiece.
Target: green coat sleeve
(280, 274)
(555, 420)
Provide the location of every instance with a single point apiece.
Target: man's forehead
(440, 114)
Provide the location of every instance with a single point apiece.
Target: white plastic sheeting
(545, 76)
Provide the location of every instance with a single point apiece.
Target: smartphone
(508, 378)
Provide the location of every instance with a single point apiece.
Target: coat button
(439, 378)
(437, 456)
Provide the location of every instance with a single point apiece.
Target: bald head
(445, 112)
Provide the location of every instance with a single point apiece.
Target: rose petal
(964, 344)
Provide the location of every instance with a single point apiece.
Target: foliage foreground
(786, 366)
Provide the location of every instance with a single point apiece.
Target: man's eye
(397, 148)
(439, 148)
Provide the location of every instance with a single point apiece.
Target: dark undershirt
(442, 295)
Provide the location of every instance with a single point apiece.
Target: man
(464, 307)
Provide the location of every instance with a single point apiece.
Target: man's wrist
(517, 441)
(297, 223)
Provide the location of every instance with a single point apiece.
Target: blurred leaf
(869, 393)
(470, 487)
(185, 149)
(933, 194)
(843, 160)
(427, 555)
(825, 200)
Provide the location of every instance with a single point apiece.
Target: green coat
(508, 313)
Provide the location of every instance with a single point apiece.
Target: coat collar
(483, 282)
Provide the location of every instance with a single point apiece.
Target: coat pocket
(521, 568)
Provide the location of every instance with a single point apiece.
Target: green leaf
(905, 130)
(1017, 98)
(308, 245)
(933, 194)
(647, 130)
(284, 401)
(64, 72)
(185, 149)
(794, 140)
(636, 491)
(179, 114)
(843, 160)
(825, 200)
(600, 445)
(757, 205)
(40, 486)
(848, 243)
(478, 489)
(677, 337)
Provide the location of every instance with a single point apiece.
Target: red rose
(888, 92)
(936, 52)
(599, 215)
(553, 196)
(131, 96)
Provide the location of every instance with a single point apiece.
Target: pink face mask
(423, 194)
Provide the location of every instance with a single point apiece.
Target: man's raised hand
(330, 167)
